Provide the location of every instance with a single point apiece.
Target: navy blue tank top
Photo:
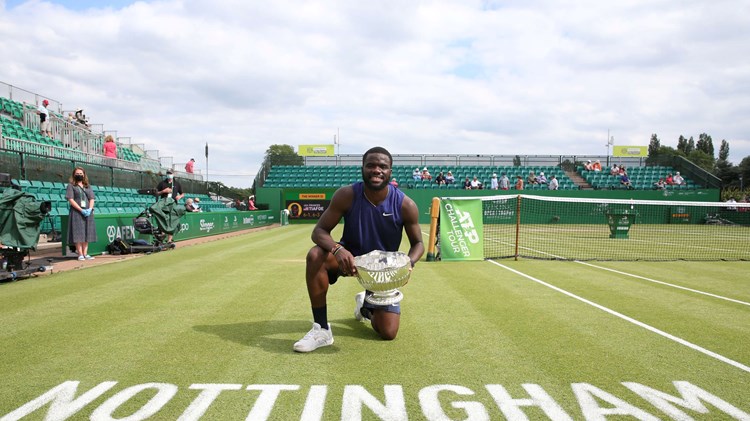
(368, 227)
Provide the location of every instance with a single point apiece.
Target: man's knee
(388, 334)
(316, 255)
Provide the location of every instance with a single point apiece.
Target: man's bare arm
(410, 215)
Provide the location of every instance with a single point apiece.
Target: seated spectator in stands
(541, 179)
(110, 147)
(731, 200)
(504, 182)
(622, 170)
(531, 179)
(197, 204)
(625, 181)
(440, 179)
(71, 119)
(615, 170)
(189, 205)
(393, 182)
(661, 184)
(553, 183)
(519, 183)
(467, 184)
(251, 203)
(426, 175)
(494, 183)
(80, 118)
(745, 199)
(588, 166)
(189, 166)
(597, 166)
(416, 174)
(669, 180)
(475, 183)
(677, 179)
(450, 179)
(45, 120)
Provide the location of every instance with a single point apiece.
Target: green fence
(303, 203)
(192, 225)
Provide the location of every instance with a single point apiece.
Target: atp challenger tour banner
(461, 229)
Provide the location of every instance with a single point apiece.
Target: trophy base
(385, 298)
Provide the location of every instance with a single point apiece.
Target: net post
(434, 215)
(518, 223)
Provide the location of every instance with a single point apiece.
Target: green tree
(705, 144)
(517, 161)
(283, 155)
(724, 151)
(685, 145)
(653, 146)
(702, 159)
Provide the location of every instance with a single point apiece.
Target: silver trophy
(382, 272)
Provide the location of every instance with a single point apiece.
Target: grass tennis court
(206, 332)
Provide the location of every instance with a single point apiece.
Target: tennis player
(375, 216)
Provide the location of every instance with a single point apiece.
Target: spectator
(251, 203)
(732, 201)
(553, 183)
(71, 119)
(531, 179)
(677, 179)
(169, 187)
(416, 175)
(467, 184)
(615, 170)
(189, 166)
(669, 180)
(197, 204)
(44, 119)
(588, 166)
(189, 205)
(541, 179)
(597, 166)
(110, 147)
(440, 179)
(80, 118)
(622, 170)
(661, 184)
(504, 182)
(426, 175)
(625, 181)
(494, 184)
(475, 183)
(519, 183)
(393, 182)
(450, 179)
(81, 224)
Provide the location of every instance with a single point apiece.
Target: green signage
(192, 225)
(461, 230)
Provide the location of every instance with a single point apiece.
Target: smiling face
(376, 171)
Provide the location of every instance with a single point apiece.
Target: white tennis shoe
(359, 301)
(314, 339)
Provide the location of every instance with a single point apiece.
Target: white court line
(632, 320)
(665, 283)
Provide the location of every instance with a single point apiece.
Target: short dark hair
(377, 149)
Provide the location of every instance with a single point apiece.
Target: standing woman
(110, 147)
(81, 226)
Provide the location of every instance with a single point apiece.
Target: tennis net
(542, 227)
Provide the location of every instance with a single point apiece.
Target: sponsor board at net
(461, 226)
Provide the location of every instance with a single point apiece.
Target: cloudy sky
(453, 76)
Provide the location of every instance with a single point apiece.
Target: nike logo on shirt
(387, 214)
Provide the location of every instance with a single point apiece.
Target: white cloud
(510, 77)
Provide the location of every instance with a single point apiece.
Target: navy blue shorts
(333, 276)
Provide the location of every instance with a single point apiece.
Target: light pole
(610, 142)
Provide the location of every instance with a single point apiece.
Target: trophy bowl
(382, 273)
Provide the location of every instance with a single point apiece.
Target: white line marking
(632, 320)
(666, 283)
